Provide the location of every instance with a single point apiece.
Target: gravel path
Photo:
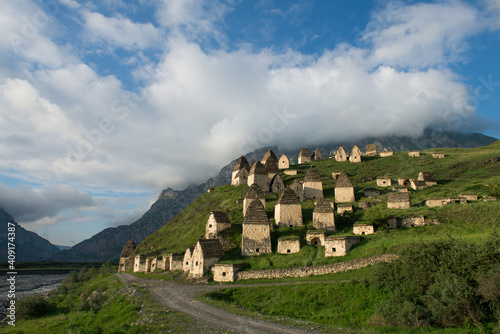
(183, 298)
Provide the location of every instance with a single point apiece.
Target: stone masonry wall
(256, 236)
(318, 270)
(288, 215)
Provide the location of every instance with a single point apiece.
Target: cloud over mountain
(198, 100)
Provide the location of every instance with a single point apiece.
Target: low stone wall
(317, 270)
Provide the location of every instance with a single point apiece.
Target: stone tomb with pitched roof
(186, 262)
(254, 192)
(283, 162)
(217, 222)
(269, 153)
(316, 155)
(288, 209)
(298, 187)
(126, 260)
(304, 156)
(240, 178)
(313, 186)
(271, 165)
(258, 175)
(256, 236)
(277, 184)
(344, 191)
(242, 163)
(340, 154)
(206, 253)
(355, 155)
(323, 216)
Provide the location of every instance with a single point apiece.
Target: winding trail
(182, 297)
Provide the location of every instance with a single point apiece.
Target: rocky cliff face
(30, 247)
(108, 244)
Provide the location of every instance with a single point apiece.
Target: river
(28, 284)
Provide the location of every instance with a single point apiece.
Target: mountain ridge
(30, 247)
(107, 244)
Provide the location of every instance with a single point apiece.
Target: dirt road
(182, 297)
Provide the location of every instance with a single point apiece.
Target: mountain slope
(30, 247)
(107, 244)
(461, 171)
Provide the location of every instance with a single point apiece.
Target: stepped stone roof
(323, 206)
(128, 249)
(312, 175)
(221, 217)
(288, 196)
(343, 181)
(257, 168)
(340, 151)
(256, 213)
(242, 163)
(268, 154)
(398, 197)
(304, 153)
(211, 248)
(271, 165)
(255, 192)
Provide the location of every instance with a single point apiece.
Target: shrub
(438, 283)
(93, 302)
(33, 306)
(108, 268)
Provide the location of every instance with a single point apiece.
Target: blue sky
(105, 103)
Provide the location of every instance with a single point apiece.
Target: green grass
(347, 305)
(119, 313)
(113, 317)
(334, 307)
(339, 307)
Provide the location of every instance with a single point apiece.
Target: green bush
(33, 306)
(93, 302)
(445, 283)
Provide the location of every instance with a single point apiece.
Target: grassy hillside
(461, 171)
